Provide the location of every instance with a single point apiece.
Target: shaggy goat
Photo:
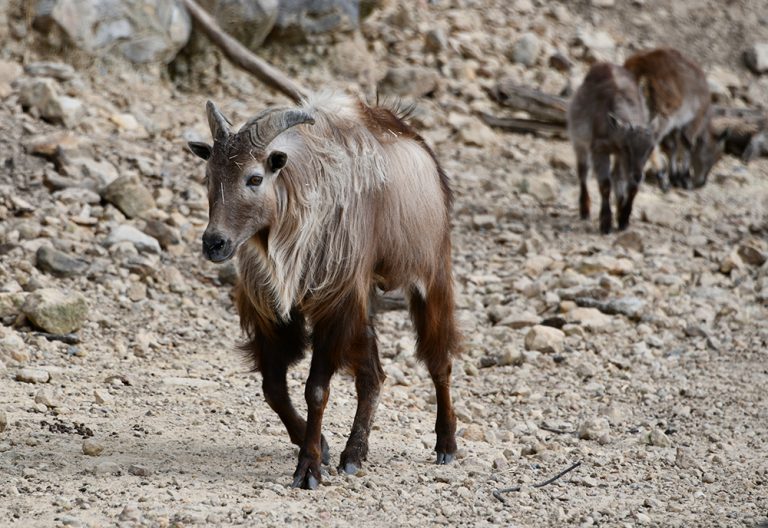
(322, 204)
(606, 118)
(677, 96)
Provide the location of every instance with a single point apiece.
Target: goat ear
(277, 160)
(201, 150)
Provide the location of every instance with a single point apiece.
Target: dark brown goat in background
(607, 119)
(678, 98)
(322, 204)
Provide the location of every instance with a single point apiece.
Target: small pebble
(92, 448)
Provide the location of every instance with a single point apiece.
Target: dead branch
(498, 493)
(522, 125)
(537, 104)
(242, 57)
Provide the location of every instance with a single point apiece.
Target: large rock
(525, 50)
(249, 21)
(756, 57)
(129, 195)
(595, 429)
(413, 81)
(140, 30)
(127, 233)
(590, 318)
(13, 347)
(56, 311)
(11, 303)
(598, 45)
(58, 263)
(42, 93)
(545, 339)
(9, 71)
(297, 19)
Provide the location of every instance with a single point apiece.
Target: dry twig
(555, 430)
(242, 57)
(497, 493)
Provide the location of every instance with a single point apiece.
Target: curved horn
(216, 120)
(269, 124)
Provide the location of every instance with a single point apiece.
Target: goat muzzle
(216, 247)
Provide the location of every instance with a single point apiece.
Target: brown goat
(607, 119)
(677, 96)
(322, 204)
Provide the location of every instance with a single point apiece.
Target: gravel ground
(655, 381)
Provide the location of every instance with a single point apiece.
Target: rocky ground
(654, 378)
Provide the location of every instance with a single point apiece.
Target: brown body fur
(677, 95)
(607, 123)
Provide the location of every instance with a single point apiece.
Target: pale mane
(325, 210)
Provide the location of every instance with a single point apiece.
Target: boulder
(55, 262)
(129, 195)
(249, 21)
(56, 311)
(142, 31)
(756, 58)
(525, 50)
(414, 81)
(128, 233)
(297, 19)
(597, 428)
(42, 94)
(545, 339)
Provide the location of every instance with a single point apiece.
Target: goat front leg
(330, 340)
(626, 208)
(582, 168)
(602, 166)
(368, 379)
(307, 474)
(274, 350)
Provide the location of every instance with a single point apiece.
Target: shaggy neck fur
(324, 212)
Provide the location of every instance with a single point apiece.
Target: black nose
(216, 247)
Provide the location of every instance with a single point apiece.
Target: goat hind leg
(437, 341)
(582, 168)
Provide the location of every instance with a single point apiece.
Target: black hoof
(307, 475)
(349, 468)
(309, 482)
(444, 458)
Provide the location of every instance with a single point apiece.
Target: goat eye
(254, 181)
